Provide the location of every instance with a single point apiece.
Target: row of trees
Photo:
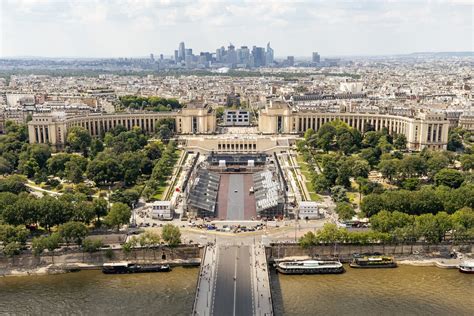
(170, 234)
(428, 199)
(433, 228)
(398, 227)
(152, 103)
(331, 234)
(161, 170)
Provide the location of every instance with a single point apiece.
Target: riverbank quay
(69, 260)
(415, 254)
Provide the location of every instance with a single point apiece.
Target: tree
(433, 228)
(40, 153)
(53, 211)
(38, 245)
(92, 245)
(372, 204)
(119, 215)
(371, 155)
(389, 168)
(10, 233)
(371, 139)
(467, 162)
(52, 243)
(100, 208)
(435, 163)
(129, 196)
(360, 168)
(449, 177)
(12, 249)
(400, 142)
(6, 199)
(29, 167)
(330, 171)
(171, 235)
(23, 212)
(345, 210)
(344, 173)
(325, 136)
(96, 147)
(153, 150)
(5, 166)
(14, 184)
(320, 183)
(307, 240)
(339, 194)
(56, 164)
(454, 141)
(164, 132)
(73, 172)
(73, 232)
(412, 165)
(79, 139)
(329, 233)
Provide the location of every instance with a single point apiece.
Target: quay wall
(345, 251)
(180, 255)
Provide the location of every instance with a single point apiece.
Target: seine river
(402, 291)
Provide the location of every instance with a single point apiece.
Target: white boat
(310, 267)
(467, 266)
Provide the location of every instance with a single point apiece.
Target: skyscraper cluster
(231, 57)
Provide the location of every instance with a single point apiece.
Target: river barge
(128, 267)
(373, 262)
(310, 267)
(467, 266)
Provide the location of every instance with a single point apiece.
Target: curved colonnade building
(424, 130)
(52, 127)
(276, 120)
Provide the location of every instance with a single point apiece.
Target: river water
(402, 291)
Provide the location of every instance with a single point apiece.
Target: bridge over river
(234, 280)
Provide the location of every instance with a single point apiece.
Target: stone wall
(71, 257)
(345, 251)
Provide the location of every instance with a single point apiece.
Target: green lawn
(159, 192)
(305, 171)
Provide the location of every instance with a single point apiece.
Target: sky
(132, 28)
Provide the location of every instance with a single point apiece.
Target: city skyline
(101, 28)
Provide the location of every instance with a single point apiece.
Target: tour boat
(467, 266)
(369, 262)
(127, 267)
(309, 267)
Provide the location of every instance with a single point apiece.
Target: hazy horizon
(136, 28)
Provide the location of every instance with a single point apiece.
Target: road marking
(235, 279)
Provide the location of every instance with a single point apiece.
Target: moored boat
(310, 267)
(467, 266)
(127, 267)
(370, 262)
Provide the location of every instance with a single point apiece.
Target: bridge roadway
(233, 280)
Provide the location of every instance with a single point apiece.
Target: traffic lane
(244, 287)
(223, 303)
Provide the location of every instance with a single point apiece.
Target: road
(233, 290)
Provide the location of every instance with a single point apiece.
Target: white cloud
(100, 27)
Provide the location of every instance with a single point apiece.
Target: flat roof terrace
(234, 200)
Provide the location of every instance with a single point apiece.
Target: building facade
(424, 130)
(52, 127)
